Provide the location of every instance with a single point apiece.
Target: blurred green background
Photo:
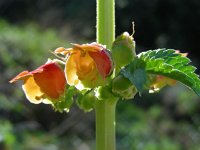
(29, 30)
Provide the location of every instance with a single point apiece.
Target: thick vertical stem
(105, 109)
(105, 125)
(105, 22)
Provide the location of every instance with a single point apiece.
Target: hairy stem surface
(105, 109)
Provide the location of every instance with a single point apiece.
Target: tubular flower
(45, 84)
(87, 65)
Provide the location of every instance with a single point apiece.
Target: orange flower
(87, 64)
(45, 84)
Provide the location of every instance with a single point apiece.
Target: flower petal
(71, 69)
(102, 61)
(20, 76)
(85, 67)
(32, 91)
(93, 47)
(51, 80)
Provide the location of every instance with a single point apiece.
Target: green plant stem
(105, 109)
(105, 22)
(105, 125)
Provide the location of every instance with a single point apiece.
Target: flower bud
(123, 50)
(122, 87)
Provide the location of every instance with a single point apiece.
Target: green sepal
(86, 101)
(65, 101)
(122, 87)
(105, 93)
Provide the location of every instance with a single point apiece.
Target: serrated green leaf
(171, 64)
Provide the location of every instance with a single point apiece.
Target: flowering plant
(101, 73)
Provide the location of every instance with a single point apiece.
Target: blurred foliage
(168, 120)
(170, 23)
(171, 124)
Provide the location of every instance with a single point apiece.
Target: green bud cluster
(105, 92)
(122, 87)
(86, 102)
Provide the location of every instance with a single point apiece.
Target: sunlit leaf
(164, 62)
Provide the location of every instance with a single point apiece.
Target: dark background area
(169, 120)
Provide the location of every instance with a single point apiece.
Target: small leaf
(136, 73)
(139, 78)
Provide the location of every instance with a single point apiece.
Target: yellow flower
(45, 84)
(87, 65)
